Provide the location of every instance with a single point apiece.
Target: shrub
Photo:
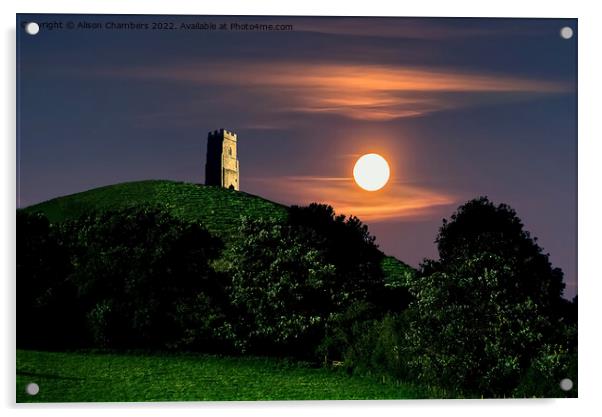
(542, 379)
(341, 341)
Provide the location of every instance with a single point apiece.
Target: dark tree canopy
(47, 314)
(136, 278)
(488, 306)
(486, 318)
(282, 288)
(347, 244)
(290, 280)
(479, 227)
(139, 271)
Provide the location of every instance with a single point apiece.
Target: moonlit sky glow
(459, 108)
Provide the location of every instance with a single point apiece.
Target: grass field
(87, 376)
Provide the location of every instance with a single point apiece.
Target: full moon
(371, 172)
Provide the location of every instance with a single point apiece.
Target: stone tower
(222, 164)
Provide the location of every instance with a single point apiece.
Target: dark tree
(480, 227)
(345, 243)
(144, 278)
(47, 313)
(282, 287)
(488, 306)
(294, 281)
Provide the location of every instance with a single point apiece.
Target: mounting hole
(32, 388)
(32, 28)
(566, 384)
(566, 32)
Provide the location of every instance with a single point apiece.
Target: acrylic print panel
(295, 208)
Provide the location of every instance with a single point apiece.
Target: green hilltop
(218, 209)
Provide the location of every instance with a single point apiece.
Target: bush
(542, 378)
(376, 347)
(342, 333)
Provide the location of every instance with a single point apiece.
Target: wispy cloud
(356, 91)
(396, 201)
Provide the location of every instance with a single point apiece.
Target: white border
(590, 136)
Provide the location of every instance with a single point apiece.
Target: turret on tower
(222, 163)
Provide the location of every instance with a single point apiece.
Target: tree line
(486, 318)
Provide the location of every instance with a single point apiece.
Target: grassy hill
(218, 209)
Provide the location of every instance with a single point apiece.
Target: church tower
(222, 164)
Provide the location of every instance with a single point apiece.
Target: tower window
(230, 151)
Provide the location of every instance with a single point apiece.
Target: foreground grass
(86, 376)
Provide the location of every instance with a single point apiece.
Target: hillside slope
(218, 209)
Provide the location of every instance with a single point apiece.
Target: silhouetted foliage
(365, 341)
(486, 318)
(480, 227)
(283, 289)
(290, 281)
(143, 275)
(542, 379)
(134, 278)
(345, 243)
(485, 310)
(569, 310)
(47, 312)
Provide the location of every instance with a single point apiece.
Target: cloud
(396, 201)
(355, 91)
